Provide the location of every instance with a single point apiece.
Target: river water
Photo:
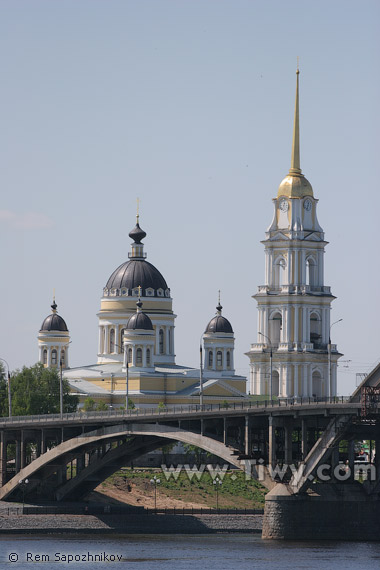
(159, 552)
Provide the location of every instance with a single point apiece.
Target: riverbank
(145, 523)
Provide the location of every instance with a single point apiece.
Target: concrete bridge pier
(326, 512)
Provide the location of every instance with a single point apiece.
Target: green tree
(89, 404)
(36, 390)
(3, 392)
(101, 407)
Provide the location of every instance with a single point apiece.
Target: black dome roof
(139, 321)
(54, 322)
(136, 272)
(219, 324)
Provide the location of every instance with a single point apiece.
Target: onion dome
(140, 320)
(219, 324)
(137, 272)
(137, 234)
(54, 322)
(295, 185)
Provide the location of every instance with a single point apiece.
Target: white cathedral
(293, 355)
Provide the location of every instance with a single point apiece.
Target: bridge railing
(179, 409)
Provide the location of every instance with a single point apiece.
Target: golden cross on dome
(219, 296)
(138, 210)
(139, 290)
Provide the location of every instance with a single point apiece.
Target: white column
(284, 324)
(289, 272)
(295, 390)
(167, 342)
(303, 267)
(334, 390)
(172, 341)
(106, 340)
(157, 339)
(305, 381)
(49, 356)
(213, 359)
(296, 275)
(289, 323)
(144, 356)
(100, 341)
(310, 381)
(40, 357)
(295, 333)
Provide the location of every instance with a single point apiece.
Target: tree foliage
(3, 392)
(36, 390)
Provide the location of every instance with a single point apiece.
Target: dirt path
(141, 498)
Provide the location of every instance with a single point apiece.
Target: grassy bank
(133, 486)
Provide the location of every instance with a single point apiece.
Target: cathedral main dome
(137, 272)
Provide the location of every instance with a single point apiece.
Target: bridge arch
(141, 438)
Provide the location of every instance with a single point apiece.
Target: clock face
(307, 205)
(284, 206)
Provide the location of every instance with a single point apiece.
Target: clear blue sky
(189, 106)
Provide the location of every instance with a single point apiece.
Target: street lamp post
(217, 483)
(201, 373)
(61, 380)
(155, 481)
(271, 364)
(9, 389)
(23, 483)
(329, 357)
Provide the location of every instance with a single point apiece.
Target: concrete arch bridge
(74, 453)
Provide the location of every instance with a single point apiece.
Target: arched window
(161, 341)
(62, 360)
(112, 340)
(279, 272)
(129, 356)
(311, 272)
(228, 358)
(169, 340)
(210, 359)
(54, 357)
(121, 340)
(315, 330)
(44, 356)
(219, 359)
(148, 356)
(139, 357)
(275, 328)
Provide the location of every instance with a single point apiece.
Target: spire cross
(138, 210)
(295, 167)
(139, 290)
(219, 297)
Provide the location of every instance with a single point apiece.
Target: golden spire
(295, 167)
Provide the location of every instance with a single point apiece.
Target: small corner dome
(139, 321)
(295, 186)
(54, 322)
(219, 324)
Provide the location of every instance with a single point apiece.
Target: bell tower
(293, 355)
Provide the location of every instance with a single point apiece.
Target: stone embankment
(129, 524)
